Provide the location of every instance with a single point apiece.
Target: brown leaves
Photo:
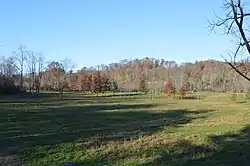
(169, 88)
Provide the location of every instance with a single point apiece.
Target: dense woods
(26, 70)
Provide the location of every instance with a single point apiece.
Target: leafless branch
(233, 22)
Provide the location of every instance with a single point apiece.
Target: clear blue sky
(92, 32)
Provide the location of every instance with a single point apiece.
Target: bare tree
(236, 23)
(2, 65)
(39, 72)
(6, 67)
(31, 60)
(34, 63)
(19, 58)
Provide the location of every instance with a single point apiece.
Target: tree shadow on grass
(230, 149)
(76, 98)
(189, 98)
(242, 102)
(22, 130)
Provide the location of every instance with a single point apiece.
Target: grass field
(125, 130)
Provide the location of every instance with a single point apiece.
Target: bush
(7, 86)
(248, 93)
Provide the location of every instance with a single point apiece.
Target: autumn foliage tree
(57, 76)
(96, 86)
(58, 73)
(72, 80)
(169, 88)
(95, 82)
(84, 82)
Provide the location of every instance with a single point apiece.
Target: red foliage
(85, 81)
(169, 88)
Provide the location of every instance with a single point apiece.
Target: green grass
(124, 129)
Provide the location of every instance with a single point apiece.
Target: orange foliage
(169, 88)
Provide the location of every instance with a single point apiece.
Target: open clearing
(125, 130)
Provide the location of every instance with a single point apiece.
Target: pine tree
(143, 86)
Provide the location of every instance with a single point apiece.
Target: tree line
(26, 70)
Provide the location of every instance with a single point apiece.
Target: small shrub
(233, 98)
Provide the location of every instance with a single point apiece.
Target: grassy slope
(125, 130)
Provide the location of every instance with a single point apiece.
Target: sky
(93, 32)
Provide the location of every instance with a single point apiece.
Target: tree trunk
(60, 94)
(30, 85)
(33, 81)
(21, 81)
(30, 88)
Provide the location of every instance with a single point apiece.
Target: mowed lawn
(135, 129)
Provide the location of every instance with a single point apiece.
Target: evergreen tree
(143, 85)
